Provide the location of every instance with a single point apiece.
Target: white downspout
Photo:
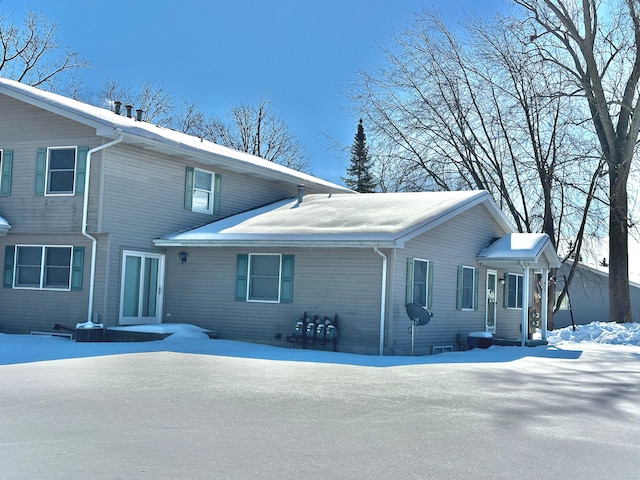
(525, 303)
(85, 214)
(383, 298)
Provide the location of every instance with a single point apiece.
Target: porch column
(525, 304)
(544, 300)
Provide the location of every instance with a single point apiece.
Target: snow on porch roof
(376, 219)
(534, 249)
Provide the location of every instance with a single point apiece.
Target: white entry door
(490, 320)
(141, 288)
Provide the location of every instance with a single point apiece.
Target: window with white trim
(420, 282)
(514, 286)
(202, 191)
(467, 295)
(264, 277)
(43, 267)
(61, 170)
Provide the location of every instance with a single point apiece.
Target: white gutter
(383, 298)
(85, 213)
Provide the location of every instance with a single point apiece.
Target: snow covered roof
(364, 220)
(4, 226)
(146, 135)
(534, 249)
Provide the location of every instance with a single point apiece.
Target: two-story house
(107, 218)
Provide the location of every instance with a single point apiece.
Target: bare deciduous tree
(596, 44)
(30, 53)
(256, 130)
(472, 110)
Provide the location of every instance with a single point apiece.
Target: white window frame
(473, 289)
(43, 268)
(426, 280)
(519, 294)
(48, 172)
(250, 276)
(209, 192)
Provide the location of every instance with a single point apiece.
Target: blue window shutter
(430, 285)
(77, 266)
(286, 279)
(41, 171)
(476, 287)
(188, 188)
(9, 256)
(409, 294)
(5, 174)
(242, 270)
(459, 289)
(217, 191)
(81, 169)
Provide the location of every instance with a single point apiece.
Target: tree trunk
(619, 300)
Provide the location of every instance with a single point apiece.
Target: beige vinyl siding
(24, 129)
(345, 282)
(456, 242)
(142, 198)
(22, 311)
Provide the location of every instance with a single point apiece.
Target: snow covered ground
(199, 409)
(563, 343)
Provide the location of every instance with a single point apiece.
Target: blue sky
(302, 54)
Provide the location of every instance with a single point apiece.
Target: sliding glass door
(141, 288)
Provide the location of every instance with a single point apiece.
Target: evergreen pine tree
(359, 173)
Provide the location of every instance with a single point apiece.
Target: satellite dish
(418, 314)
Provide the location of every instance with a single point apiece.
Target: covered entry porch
(529, 253)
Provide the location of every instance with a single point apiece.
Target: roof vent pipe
(300, 193)
(116, 106)
(139, 114)
(129, 108)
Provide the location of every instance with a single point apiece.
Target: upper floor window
(61, 170)
(513, 286)
(419, 282)
(202, 191)
(467, 297)
(6, 164)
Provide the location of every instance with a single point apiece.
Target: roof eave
(277, 243)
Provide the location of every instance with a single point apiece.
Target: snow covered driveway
(505, 412)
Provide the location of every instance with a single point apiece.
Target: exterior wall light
(183, 256)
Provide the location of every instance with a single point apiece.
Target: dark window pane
(62, 159)
(56, 277)
(420, 282)
(61, 181)
(28, 276)
(58, 256)
(29, 256)
(467, 287)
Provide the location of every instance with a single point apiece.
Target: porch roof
(385, 220)
(518, 249)
(5, 226)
